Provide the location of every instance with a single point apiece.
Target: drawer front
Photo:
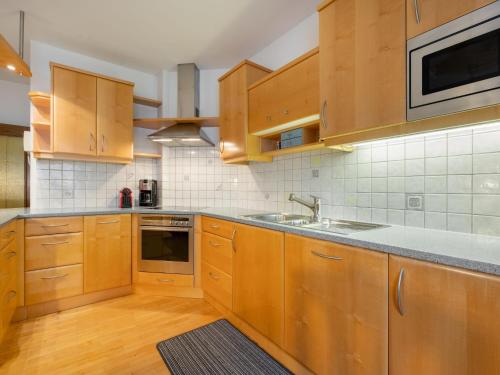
(217, 284)
(219, 227)
(53, 251)
(53, 225)
(53, 283)
(164, 279)
(7, 233)
(218, 252)
(8, 265)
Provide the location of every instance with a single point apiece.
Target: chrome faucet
(314, 206)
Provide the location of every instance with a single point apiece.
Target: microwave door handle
(417, 11)
(167, 229)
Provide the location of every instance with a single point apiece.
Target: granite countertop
(469, 251)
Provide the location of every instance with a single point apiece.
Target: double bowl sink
(325, 224)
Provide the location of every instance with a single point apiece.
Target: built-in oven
(456, 66)
(166, 244)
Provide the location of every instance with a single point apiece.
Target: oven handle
(167, 229)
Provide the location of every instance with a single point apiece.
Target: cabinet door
(263, 110)
(258, 279)
(336, 307)
(362, 65)
(235, 141)
(434, 13)
(74, 112)
(107, 252)
(114, 119)
(446, 321)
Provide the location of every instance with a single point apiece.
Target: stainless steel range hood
(185, 133)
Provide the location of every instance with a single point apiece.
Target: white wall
(296, 42)
(14, 103)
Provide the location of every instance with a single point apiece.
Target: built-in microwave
(456, 66)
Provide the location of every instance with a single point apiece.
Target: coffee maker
(148, 193)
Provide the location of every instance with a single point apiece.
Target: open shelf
(296, 149)
(269, 145)
(147, 102)
(158, 123)
(40, 125)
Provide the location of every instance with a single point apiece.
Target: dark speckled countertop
(469, 251)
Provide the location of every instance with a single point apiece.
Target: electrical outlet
(315, 173)
(415, 202)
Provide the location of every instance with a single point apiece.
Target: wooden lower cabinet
(8, 276)
(107, 252)
(258, 260)
(446, 321)
(336, 307)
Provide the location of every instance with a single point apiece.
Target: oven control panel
(166, 220)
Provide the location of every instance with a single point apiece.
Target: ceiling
(152, 35)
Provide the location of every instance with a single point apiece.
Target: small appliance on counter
(126, 198)
(148, 193)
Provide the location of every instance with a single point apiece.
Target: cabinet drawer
(8, 302)
(219, 227)
(217, 284)
(53, 225)
(217, 251)
(7, 233)
(53, 251)
(8, 265)
(53, 283)
(164, 279)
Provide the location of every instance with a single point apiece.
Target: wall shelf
(147, 102)
(296, 149)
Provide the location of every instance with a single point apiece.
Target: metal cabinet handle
(166, 280)
(102, 144)
(400, 291)
(92, 141)
(213, 276)
(285, 112)
(53, 277)
(10, 295)
(322, 115)
(214, 226)
(9, 234)
(214, 244)
(108, 222)
(54, 225)
(331, 257)
(221, 145)
(10, 254)
(417, 11)
(233, 237)
(54, 243)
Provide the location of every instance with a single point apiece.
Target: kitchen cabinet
(115, 136)
(425, 15)
(289, 94)
(73, 112)
(235, 142)
(258, 261)
(336, 307)
(442, 320)
(92, 116)
(107, 252)
(8, 275)
(362, 65)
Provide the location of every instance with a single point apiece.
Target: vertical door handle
(91, 141)
(417, 11)
(323, 119)
(233, 237)
(102, 145)
(221, 145)
(401, 279)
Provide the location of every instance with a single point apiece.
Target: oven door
(166, 250)
(455, 67)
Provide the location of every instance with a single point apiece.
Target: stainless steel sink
(283, 218)
(326, 224)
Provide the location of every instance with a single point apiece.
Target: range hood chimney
(185, 134)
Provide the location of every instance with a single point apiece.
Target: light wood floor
(118, 336)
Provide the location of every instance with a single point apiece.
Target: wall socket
(415, 202)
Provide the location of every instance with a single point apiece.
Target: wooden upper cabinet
(74, 112)
(446, 321)
(336, 307)
(233, 112)
(114, 119)
(290, 93)
(434, 13)
(362, 65)
(107, 252)
(258, 279)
